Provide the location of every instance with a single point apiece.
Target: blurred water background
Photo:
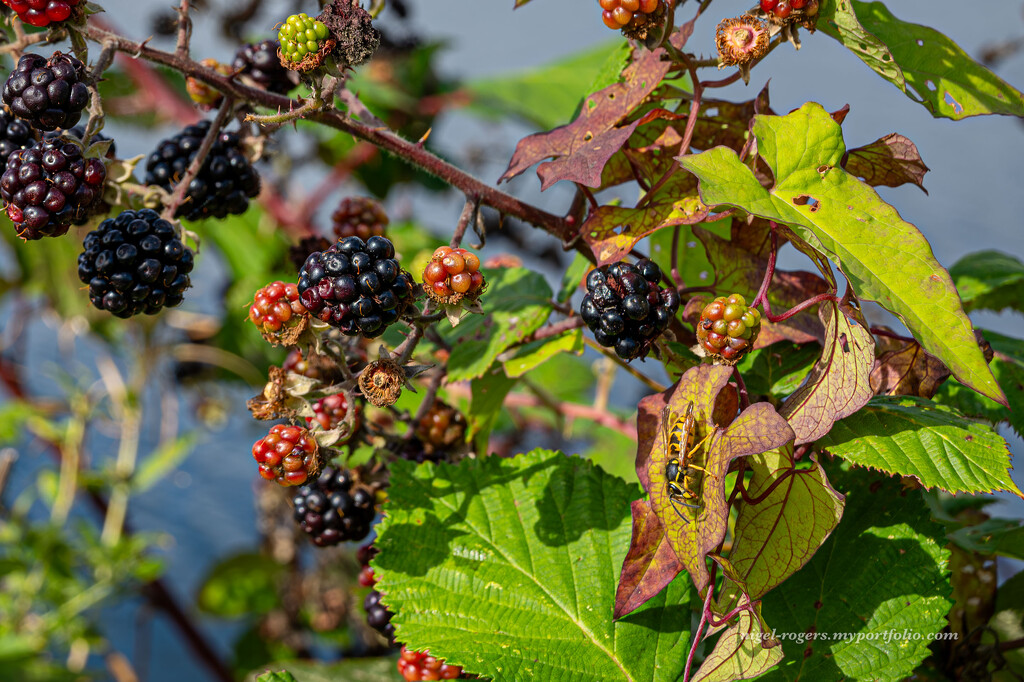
(205, 510)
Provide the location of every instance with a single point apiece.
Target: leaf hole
(713, 111)
(588, 137)
(805, 200)
(951, 101)
(691, 245)
(920, 43)
(844, 343)
(703, 275)
(930, 85)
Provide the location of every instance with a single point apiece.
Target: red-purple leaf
(904, 368)
(890, 161)
(649, 566)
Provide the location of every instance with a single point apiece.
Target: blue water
(206, 509)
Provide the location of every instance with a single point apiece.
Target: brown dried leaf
(649, 566)
(904, 368)
(890, 161)
(612, 231)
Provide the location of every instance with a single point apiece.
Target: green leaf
(990, 280)
(838, 19)
(241, 585)
(516, 304)
(488, 393)
(165, 459)
(1004, 537)
(549, 95)
(573, 277)
(777, 536)
(1008, 368)
(351, 670)
(508, 568)
(534, 354)
(738, 653)
(916, 437)
(935, 71)
(883, 572)
(779, 369)
(14, 415)
(845, 219)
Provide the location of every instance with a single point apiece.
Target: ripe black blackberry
(331, 509)
(356, 286)
(15, 134)
(49, 94)
(225, 182)
(135, 263)
(259, 61)
(50, 186)
(626, 308)
(378, 617)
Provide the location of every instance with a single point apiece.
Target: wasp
(682, 474)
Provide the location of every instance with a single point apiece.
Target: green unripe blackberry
(299, 36)
(728, 327)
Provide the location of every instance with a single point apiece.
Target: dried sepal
(382, 381)
(741, 40)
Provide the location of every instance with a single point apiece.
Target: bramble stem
(178, 197)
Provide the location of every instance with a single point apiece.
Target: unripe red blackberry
(50, 186)
(276, 310)
(356, 286)
(259, 61)
(728, 327)
(626, 308)
(288, 455)
(441, 427)
(135, 263)
(225, 182)
(206, 96)
(619, 14)
(42, 13)
(15, 134)
(413, 665)
(48, 93)
(452, 275)
(359, 217)
(333, 509)
(330, 411)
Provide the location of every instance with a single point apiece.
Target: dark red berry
(359, 217)
(259, 61)
(413, 665)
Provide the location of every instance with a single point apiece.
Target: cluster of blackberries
(135, 263)
(359, 217)
(620, 13)
(356, 286)
(288, 454)
(781, 10)
(626, 308)
(48, 93)
(50, 186)
(259, 62)
(331, 509)
(378, 616)
(223, 185)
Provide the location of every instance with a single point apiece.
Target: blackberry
(307, 246)
(359, 217)
(356, 286)
(42, 13)
(225, 182)
(135, 263)
(259, 62)
(791, 11)
(626, 308)
(378, 617)
(49, 94)
(50, 186)
(277, 312)
(15, 134)
(728, 327)
(332, 509)
(288, 455)
(452, 275)
(441, 428)
(330, 411)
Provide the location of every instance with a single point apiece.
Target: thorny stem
(468, 216)
(184, 30)
(410, 152)
(281, 118)
(23, 40)
(178, 197)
